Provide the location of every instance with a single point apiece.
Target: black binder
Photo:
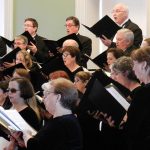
(106, 26)
(9, 57)
(96, 97)
(53, 46)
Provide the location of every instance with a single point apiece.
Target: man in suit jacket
(38, 50)
(120, 15)
(3, 48)
(73, 26)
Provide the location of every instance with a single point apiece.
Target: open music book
(12, 120)
(118, 97)
(104, 95)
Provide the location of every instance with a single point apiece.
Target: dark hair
(75, 20)
(4, 85)
(117, 52)
(27, 93)
(34, 22)
(73, 51)
(25, 86)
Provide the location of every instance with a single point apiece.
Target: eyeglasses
(18, 43)
(27, 25)
(12, 90)
(77, 80)
(69, 25)
(45, 93)
(117, 11)
(65, 54)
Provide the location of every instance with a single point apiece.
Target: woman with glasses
(63, 130)
(71, 58)
(122, 72)
(22, 97)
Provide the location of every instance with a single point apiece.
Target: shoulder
(40, 37)
(82, 37)
(131, 25)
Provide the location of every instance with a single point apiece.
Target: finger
(104, 37)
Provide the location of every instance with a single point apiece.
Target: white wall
(87, 12)
(2, 17)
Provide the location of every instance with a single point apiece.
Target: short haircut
(117, 52)
(23, 38)
(34, 22)
(124, 64)
(128, 34)
(74, 19)
(73, 51)
(67, 90)
(83, 76)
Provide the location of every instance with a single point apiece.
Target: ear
(58, 97)
(144, 65)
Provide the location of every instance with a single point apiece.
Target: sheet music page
(112, 90)
(18, 121)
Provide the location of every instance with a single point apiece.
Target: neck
(131, 85)
(19, 107)
(2, 102)
(61, 112)
(146, 80)
(73, 66)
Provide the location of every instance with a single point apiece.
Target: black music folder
(9, 57)
(54, 64)
(9, 71)
(104, 96)
(8, 42)
(29, 37)
(100, 60)
(106, 26)
(53, 46)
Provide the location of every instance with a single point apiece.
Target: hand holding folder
(103, 94)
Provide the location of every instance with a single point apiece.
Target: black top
(31, 118)
(86, 43)
(60, 133)
(42, 54)
(137, 128)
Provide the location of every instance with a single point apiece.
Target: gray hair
(128, 34)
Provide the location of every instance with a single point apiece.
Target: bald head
(70, 42)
